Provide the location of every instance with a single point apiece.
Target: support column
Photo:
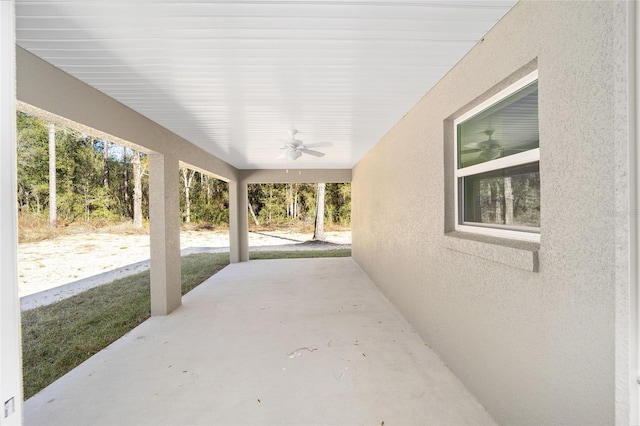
(634, 189)
(234, 235)
(243, 221)
(238, 225)
(164, 215)
(10, 344)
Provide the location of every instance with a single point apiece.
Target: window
(497, 175)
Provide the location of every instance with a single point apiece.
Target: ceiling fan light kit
(293, 154)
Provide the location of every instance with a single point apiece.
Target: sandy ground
(49, 264)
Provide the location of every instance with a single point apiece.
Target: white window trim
(526, 157)
(529, 78)
(530, 156)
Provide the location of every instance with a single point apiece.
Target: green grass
(302, 254)
(58, 337)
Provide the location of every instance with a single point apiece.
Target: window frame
(526, 157)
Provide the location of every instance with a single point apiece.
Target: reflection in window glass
(506, 128)
(509, 197)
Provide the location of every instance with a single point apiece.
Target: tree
(92, 185)
(187, 180)
(125, 182)
(64, 170)
(105, 152)
(508, 201)
(292, 201)
(253, 215)
(32, 159)
(318, 231)
(296, 203)
(53, 217)
(137, 190)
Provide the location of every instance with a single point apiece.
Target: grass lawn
(58, 337)
(302, 254)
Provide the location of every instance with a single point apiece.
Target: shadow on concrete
(276, 236)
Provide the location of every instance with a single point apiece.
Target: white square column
(238, 222)
(10, 340)
(164, 216)
(234, 237)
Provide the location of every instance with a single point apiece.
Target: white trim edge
(522, 158)
(634, 237)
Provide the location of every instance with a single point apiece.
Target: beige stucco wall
(534, 347)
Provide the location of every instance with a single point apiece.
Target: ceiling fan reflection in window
(489, 149)
(294, 148)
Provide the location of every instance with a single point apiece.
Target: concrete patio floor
(298, 342)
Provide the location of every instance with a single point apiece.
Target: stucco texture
(534, 347)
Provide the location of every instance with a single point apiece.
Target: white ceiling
(235, 76)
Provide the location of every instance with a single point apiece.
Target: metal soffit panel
(235, 76)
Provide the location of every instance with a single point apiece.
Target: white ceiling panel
(235, 76)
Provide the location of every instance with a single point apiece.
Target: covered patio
(540, 331)
(287, 342)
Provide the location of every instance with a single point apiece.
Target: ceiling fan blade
(466, 151)
(317, 145)
(473, 145)
(311, 152)
(282, 155)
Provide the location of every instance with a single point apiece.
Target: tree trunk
(208, 181)
(87, 209)
(270, 204)
(125, 186)
(53, 208)
(508, 202)
(37, 197)
(204, 183)
(137, 190)
(253, 215)
(105, 150)
(499, 209)
(318, 231)
(187, 176)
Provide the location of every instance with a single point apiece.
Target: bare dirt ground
(47, 264)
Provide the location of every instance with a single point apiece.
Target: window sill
(517, 254)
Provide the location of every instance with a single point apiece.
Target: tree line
(95, 179)
(283, 203)
(102, 182)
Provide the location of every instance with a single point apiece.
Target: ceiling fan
(489, 149)
(294, 148)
